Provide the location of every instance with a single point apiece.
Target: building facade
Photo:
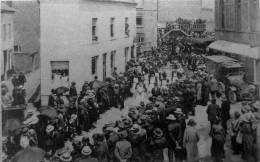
(7, 41)
(146, 25)
(170, 10)
(26, 35)
(81, 39)
(238, 33)
(208, 15)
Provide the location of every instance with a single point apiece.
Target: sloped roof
(6, 8)
(118, 1)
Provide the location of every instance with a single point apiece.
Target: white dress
(146, 80)
(139, 93)
(152, 82)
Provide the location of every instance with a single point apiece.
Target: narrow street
(200, 117)
(130, 81)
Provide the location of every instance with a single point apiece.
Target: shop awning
(236, 48)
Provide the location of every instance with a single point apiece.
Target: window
(94, 65)
(94, 29)
(245, 15)
(254, 6)
(126, 27)
(229, 15)
(222, 14)
(132, 52)
(140, 37)
(126, 54)
(139, 21)
(59, 74)
(112, 61)
(10, 31)
(112, 20)
(238, 13)
(4, 32)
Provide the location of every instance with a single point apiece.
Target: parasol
(50, 112)
(29, 154)
(97, 84)
(12, 125)
(61, 90)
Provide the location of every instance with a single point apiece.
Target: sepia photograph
(130, 81)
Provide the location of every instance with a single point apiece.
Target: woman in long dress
(152, 82)
(190, 141)
(140, 89)
(146, 80)
(218, 141)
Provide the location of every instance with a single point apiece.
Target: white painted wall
(66, 36)
(8, 43)
(148, 10)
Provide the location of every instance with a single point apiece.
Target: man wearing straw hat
(138, 138)
(123, 149)
(156, 145)
(174, 135)
(86, 155)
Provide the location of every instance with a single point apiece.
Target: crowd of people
(152, 131)
(17, 97)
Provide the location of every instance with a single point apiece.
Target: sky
(208, 3)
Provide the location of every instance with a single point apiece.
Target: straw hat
(136, 129)
(178, 111)
(127, 123)
(86, 150)
(49, 128)
(171, 117)
(32, 120)
(158, 133)
(66, 157)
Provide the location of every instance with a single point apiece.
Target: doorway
(104, 66)
(126, 56)
(5, 63)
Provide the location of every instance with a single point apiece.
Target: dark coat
(156, 92)
(213, 112)
(174, 134)
(22, 79)
(225, 108)
(15, 82)
(73, 91)
(51, 101)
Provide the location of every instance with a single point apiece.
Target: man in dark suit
(156, 91)
(213, 113)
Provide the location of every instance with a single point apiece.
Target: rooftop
(6, 8)
(118, 1)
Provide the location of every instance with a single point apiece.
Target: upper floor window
(140, 37)
(94, 61)
(126, 27)
(10, 31)
(94, 29)
(112, 21)
(4, 32)
(139, 21)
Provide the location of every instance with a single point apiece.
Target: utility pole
(157, 10)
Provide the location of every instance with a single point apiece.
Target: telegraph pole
(157, 10)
